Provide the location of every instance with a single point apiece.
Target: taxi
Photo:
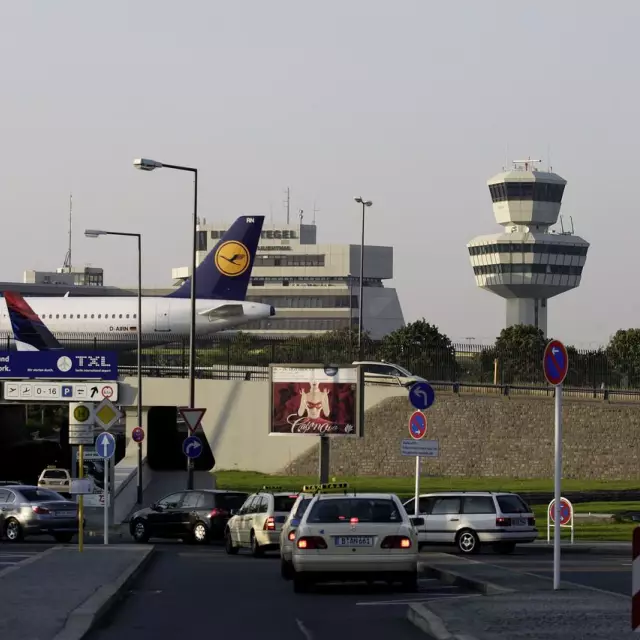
(288, 533)
(257, 524)
(354, 537)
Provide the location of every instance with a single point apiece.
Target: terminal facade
(527, 263)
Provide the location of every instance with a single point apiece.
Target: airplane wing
(223, 311)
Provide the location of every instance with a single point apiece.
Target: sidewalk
(516, 606)
(60, 593)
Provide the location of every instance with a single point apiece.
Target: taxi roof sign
(327, 486)
(271, 488)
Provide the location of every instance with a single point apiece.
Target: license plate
(519, 522)
(354, 541)
(65, 514)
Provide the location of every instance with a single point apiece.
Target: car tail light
(503, 522)
(312, 542)
(354, 521)
(216, 513)
(292, 535)
(270, 524)
(40, 510)
(531, 521)
(396, 542)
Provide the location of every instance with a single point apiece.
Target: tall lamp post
(365, 204)
(144, 164)
(95, 233)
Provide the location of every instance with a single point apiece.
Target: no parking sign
(566, 516)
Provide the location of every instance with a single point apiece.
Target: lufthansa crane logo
(232, 258)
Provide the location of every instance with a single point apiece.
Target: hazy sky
(410, 103)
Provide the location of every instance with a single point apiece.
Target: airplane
(221, 288)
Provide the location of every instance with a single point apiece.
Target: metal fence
(241, 356)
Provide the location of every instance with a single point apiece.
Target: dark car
(194, 516)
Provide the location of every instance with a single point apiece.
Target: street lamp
(95, 233)
(145, 164)
(364, 203)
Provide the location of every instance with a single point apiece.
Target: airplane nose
(272, 311)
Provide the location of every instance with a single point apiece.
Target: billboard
(59, 364)
(316, 400)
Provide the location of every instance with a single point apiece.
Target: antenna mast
(314, 212)
(67, 258)
(288, 203)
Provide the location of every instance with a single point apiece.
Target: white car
(469, 519)
(387, 373)
(355, 536)
(288, 533)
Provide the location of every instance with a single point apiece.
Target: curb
(85, 617)
(451, 577)
(422, 617)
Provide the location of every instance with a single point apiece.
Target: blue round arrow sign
(192, 447)
(421, 395)
(105, 445)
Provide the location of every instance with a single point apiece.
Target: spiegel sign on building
(316, 400)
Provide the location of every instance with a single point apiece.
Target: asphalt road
(203, 592)
(597, 570)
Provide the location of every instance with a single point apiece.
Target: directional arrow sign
(105, 445)
(193, 417)
(192, 447)
(421, 395)
(94, 392)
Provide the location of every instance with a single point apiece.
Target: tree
(588, 368)
(422, 349)
(519, 350)
(623, 351)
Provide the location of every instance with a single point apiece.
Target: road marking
(443, 596)
(303, 629)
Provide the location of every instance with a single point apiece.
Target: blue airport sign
(105, 445)
(192, 447)
(421, 395)
(59, 364)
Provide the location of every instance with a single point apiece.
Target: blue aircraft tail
(29, 332)
(225, 273)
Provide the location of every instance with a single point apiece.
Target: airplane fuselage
(116, 318)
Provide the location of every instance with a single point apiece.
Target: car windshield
(284, 503)
(512, 504)
(57, 474)
(40, 495)
(337, 510)
(302, 508)
(402, 370)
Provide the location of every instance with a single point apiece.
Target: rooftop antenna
(561, 225)
(314, 211)
(67, 258)
(572, 229)
(549, 158)
(288, 203)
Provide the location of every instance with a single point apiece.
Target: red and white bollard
(635, 581)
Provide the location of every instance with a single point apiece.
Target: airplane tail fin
(225, 273)
(29, 332)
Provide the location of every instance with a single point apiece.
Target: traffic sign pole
(557, 488)
(555, 364)
(80, 500)
(106, 501)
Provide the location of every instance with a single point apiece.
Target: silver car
(26, 510)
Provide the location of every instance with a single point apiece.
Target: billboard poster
(59, 364)
(94, 469)
(316, 400)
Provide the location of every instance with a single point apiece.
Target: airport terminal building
(314, 287)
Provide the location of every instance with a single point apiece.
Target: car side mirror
(234, 512)
(155, 507)
(417, 521)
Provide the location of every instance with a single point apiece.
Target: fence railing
(236, 356)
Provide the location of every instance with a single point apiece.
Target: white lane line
(303, 629)
(444, 596)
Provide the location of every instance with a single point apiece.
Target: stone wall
(493, 436)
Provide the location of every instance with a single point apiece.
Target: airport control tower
(528, 263)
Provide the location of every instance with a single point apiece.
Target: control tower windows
(535, 191)
(551, 269)
(528, 247)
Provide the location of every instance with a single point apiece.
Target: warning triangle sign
(193, 417)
